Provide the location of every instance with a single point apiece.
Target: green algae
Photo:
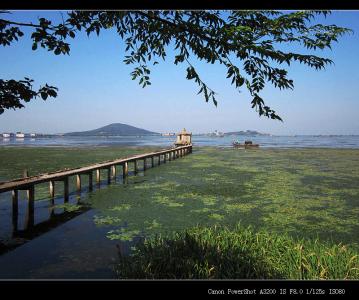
(306, 193)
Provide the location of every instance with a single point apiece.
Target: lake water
(299, 141)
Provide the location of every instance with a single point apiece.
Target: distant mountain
(113, 129)
(247, 132)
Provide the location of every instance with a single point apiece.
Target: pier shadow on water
(28, 222)
(66, 243)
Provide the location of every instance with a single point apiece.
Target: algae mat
(310, 193)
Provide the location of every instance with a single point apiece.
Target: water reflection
(33, 218)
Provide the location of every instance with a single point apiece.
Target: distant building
(168, 134)
(32, 134)
(20, 135)
(183, 138)
(217, 134)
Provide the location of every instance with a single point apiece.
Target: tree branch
(20, 24)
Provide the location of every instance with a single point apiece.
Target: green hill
(113, 129)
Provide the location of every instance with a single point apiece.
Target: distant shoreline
(171, 136)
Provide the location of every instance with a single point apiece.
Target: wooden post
(170, 155)
(144, 164)
(152, 161)
(15, 209)
(66, 189)
(125, 169)
(52, 191)
(109, 175)
(98, 176)
(113, 169)
(29, 220)
(159, 159)
(135, 166)
(78, 183)
(90, 181)
(164, 157)
(26, 173)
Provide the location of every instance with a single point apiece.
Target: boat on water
(246, 145)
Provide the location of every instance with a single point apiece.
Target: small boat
(246, 145)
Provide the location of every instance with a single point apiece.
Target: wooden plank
(25, 183)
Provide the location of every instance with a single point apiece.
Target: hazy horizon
(95, 89)
(173, 131)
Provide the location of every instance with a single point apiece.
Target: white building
(20, 135)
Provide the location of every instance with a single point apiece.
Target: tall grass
(221, 253)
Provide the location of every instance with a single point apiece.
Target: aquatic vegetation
(107, 220)
(69, 207)
(267, 188)
(122, 234)
(121, 207)
(222, 253)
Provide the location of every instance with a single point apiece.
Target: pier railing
(28, 183)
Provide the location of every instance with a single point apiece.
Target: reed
(219, 252)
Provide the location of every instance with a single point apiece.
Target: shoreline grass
(218, 252)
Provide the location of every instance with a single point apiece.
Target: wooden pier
(28, 183)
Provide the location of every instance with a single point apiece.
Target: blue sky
(95, 89)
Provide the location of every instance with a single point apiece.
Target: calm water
(303, 141)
